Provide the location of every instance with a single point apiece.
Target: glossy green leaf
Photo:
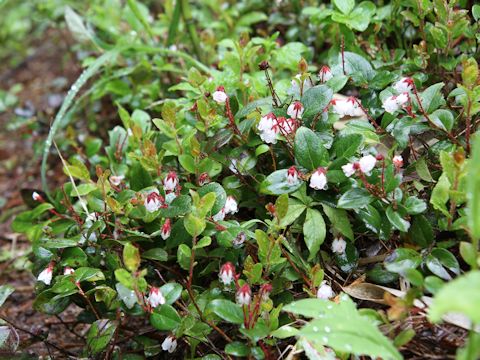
(314, 232)
(309, 150)
(227, 310)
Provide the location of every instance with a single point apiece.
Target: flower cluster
(365, 165)
(270, 125)
(347, 107)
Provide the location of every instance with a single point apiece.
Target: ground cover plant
(246, 186)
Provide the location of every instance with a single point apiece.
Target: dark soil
(45, 77)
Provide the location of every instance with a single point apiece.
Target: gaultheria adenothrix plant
(205, 221)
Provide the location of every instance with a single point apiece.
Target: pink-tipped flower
(346, 107)
(349, 169)
(402, 99)
(367, 163)
(325, 291)
(166, 230)
(154, 201)
(395, 102)
(227, 273)
(339, 245)
(397, 161)
(318, 180)
(46, 275)
(404, 85)
(390, 104)
(244, 295)
(325, 74)
(155, 297)
(287, 126)
(265, 290)
(220, 96)
(68, 270)
(37, 197)
(203, 179)
(295, 110)
(231, 206)
(169, 344)
(268, 128)
(292, 176)
(171, 181)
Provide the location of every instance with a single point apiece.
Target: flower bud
(292, 176)
(219, 95)
(244, 295)
(155, 297)
(227, 273)
(318, 180)
(166, 230)
(169, 344)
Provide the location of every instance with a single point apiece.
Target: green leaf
(314, 232)
(359, 18)
(59, 243)
(131, 257)
(345, 6)
(476, 12)
(397, 220)
(414, 205)
(155, 254)
(309, 150)
(422, 170)
(355, 198)
(165, 318)
(100, 334)
(343, 328)
(5, 291)
(183, 256)
(295, 209)
(469, 253)
(441, 194)
(252, 106)
(402, 259)
(347, 145)
(281, 206)
(194, 225)
(432, 97)
(473, 190)
(83, 189)
(285, 331)
(461, 295)
(237, 348)
(357, 66)
(88, 274)
(339, 220)
(276, 184)
(139, 177)
(227, 310)
(220, 195)
(187, 162)
(316, 99)
(180, 206)
(421, 232)
(172, 292)
(443, 119)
